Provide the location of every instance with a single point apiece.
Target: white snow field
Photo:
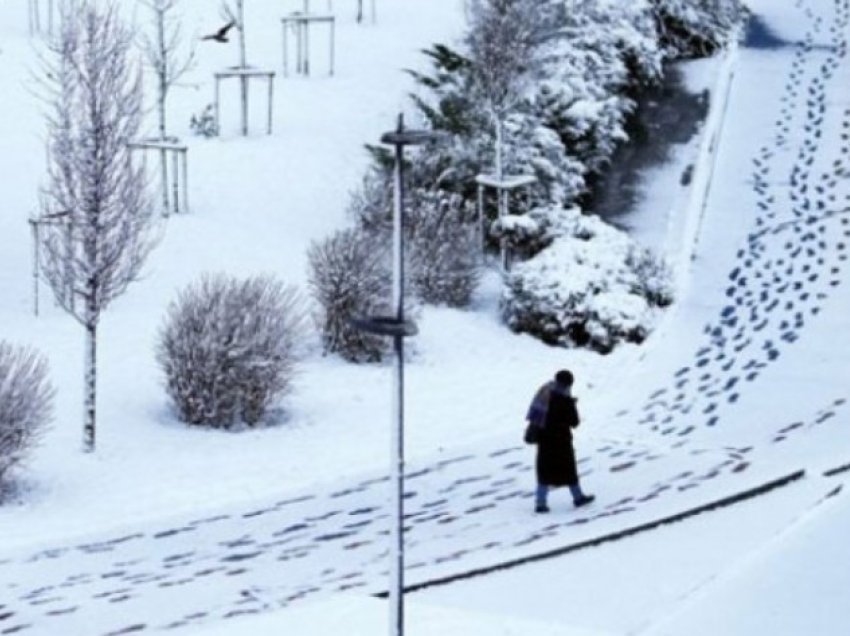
(742, 390)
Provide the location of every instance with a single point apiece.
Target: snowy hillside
(728, 420)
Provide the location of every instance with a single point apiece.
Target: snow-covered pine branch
(696, 29)
(93, 186)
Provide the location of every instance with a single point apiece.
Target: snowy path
(466, 511)
(776, 229)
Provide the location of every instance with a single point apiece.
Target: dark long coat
(556, 459)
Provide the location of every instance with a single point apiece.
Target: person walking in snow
(554, 414)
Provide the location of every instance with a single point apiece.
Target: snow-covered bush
(203, 124)
(26, 403)
(445, 255)
(440, 235)
(228, 348)
(349, 278)
(592, 286)
(696, 28)
(522, 233)
(654, 277)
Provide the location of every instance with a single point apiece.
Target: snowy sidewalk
(464, 512)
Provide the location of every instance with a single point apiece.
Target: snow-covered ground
(745, 381)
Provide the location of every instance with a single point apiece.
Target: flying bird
(221, 34)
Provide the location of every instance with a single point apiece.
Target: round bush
(228, 348)
(591, 287)
(26, 403)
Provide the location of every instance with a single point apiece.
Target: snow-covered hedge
(26, 403)
(591, 286)
(228, 348)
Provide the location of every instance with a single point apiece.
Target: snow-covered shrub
(654, 277)
(445, 255)
(531, 233)
(584, 289)
(203, 124)
(228, 348)
(26, 403)
(522, 233)
(440, 236)
(371, 205)
(349, 278)
(696, 28)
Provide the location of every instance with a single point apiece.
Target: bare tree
(234, 12)
(502, 37)
(96, 110)
(164, 55)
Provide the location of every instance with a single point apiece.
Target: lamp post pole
(397, 437)
(398, 327)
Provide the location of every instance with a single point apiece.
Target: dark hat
(564, 377)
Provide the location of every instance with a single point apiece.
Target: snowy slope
(795, 584)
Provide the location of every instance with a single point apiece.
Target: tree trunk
(498, 148)
(162, 72)
(90, 400)
(243, 63)
(359, 11)
(163, 156)
(68, 291)
(501, 194)
(243, 57)
(244, 90)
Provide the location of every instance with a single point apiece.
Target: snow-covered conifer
(229, 347)
(696, 28)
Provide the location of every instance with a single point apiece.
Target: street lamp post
(398, 328)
